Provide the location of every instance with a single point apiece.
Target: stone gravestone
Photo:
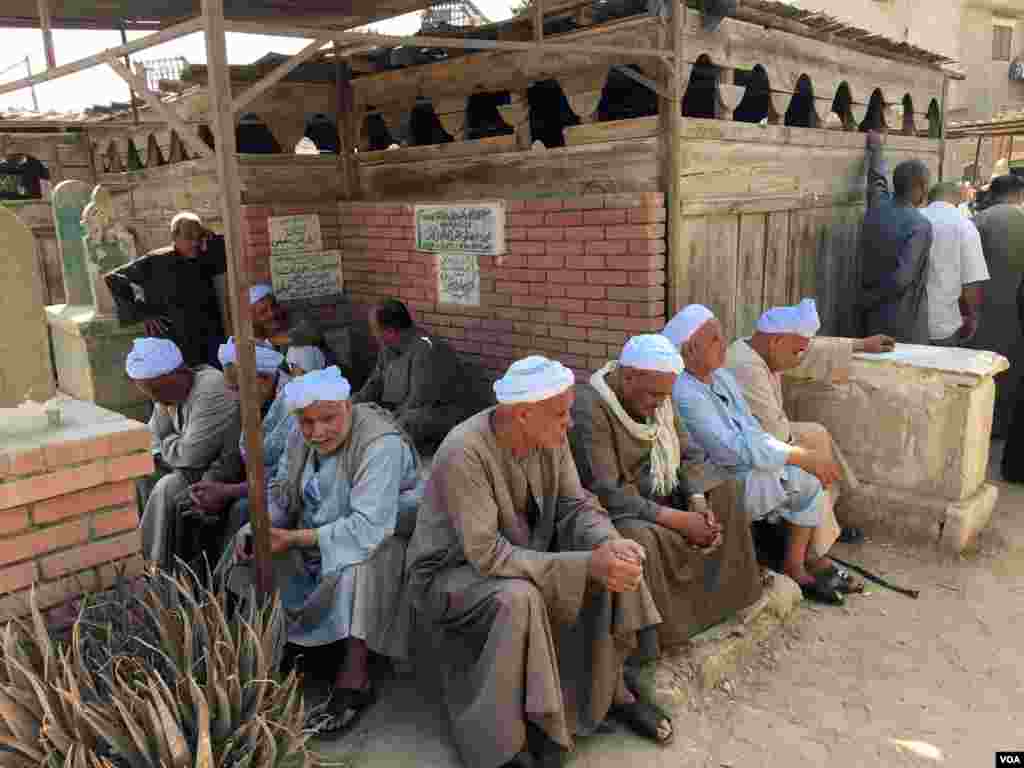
(89, 344)
(69, 198)
(108, 244)
(25, 370)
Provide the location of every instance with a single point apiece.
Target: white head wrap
(651, 352)
(533, 379)
(307, 358)
(686, 323)
(151, 358)
(268, 359)
(801, 319)
(327, 385)
(185, 216)
(259, 292)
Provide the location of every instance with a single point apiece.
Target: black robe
(163, 285)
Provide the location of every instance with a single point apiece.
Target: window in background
(1002, 42)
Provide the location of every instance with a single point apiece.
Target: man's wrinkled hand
(618, 565)
(823, 467)
(210, 496)
(880, 344)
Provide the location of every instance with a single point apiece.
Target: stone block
(90, 351)
(953, 526)
(918, 419)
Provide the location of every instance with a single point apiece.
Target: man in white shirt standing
(956, 270)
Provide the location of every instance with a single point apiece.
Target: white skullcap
(307, 358)
(686, 323)
(259, 292)
(327, 385)
(268, 359)
(151, 358)
(185, 216)
(801, 319)
(533, 379)
(651, 352)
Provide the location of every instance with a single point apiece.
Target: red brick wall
(68, 514)
(580, 276)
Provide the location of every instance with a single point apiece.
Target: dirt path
(840, 687)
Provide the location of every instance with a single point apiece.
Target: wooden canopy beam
(276, 75)
(44, 25)
(171, 33)
(238, 282)
(424, 41)
(187, 132)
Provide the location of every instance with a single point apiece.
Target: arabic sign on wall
(461, 228)
(299, 266)
(458, 279)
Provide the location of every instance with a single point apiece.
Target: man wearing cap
(346, 485)
(195, 426)
(418, 378)
(700, 565)
(537, 597)
(215, 497)
(275, 326)
(785, 342)
(781, 481)
(173, 291)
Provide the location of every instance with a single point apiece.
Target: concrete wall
(68, 515)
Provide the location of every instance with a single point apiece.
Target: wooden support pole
(44, 25)
(1009, 152)
(538, 20)
(977, 159)
(188, 133)
(677, 264)
(128, 64)
(219, 86)
(276, 75)
(171, 33)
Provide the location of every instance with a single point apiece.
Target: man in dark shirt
(172, 290)
(895, 244)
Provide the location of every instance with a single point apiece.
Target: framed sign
(458, 279)
(300, 268)
(461, 228)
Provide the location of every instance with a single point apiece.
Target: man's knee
(168, 488)
(517, 598)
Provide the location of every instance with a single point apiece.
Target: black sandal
(340, 712)
(851, 535)
(644, 718)
(826, 588)
(848, 583)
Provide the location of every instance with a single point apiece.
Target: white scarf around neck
(666, 453)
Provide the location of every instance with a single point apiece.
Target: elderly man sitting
(214, 497)
(344, 485)
(781, 480)
(785, 342)
(629, 452)
(195, 425)
(277, 327)
(417, 377)
(537, 596)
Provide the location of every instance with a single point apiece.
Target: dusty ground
(885, 681)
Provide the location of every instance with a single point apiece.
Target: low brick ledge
(68, 511)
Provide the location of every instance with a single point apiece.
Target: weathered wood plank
(777, 261)
(722, 266)
(617, 130)
(626, 166)
(750, 271)
(477, 147)
(690, 271)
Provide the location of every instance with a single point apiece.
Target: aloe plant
(156, 678)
